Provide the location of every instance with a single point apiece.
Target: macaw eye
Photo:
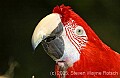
(79, 30)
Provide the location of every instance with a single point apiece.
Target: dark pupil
(79, 30)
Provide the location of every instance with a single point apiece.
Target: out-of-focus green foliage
(18, 19)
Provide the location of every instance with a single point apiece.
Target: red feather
(96, 57)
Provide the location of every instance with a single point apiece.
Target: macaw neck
(95, 59)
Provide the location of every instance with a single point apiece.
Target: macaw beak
(45, 28)
(48, 32)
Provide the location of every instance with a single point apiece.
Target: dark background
(18, 18)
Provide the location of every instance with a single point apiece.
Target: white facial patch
(76, 34)
(71, 54)
(75, 39)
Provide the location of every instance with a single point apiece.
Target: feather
(97, 60)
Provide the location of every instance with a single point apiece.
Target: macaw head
(64, 35)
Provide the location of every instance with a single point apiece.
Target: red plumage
(95, 57)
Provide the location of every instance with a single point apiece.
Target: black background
(18, 18)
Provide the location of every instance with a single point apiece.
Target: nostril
(50, 38)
